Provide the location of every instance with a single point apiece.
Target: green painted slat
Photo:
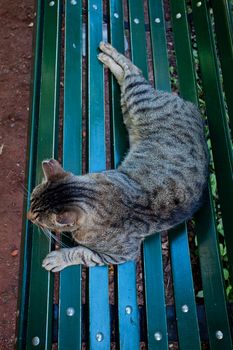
(212, 280)
(119, 133)
(126, 274)
(224, 29)
(137, 34)
(154, 294)
(27, 226)
(99, 317)
(178, 239)
(127, 307)
(183, 49)
(159, 45)
(70, 296)
(185, 305)
(221, 144)
(153, 264)
(41, 281)
(187, 322)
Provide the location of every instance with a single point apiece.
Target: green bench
(68, 321)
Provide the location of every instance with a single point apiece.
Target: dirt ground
(16, 29)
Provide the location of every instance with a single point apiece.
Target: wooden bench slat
(187, 323)
(224, 33)
(128, 316)
(183, 52)
(70, 295)
(157, 333)
(219, 133)
(99, 317)
(182, 273)
(213, 285)
(25, 257)
(118, 130)
(159, 45)
(127, 307)
(137, 35)
(41, 281)
(153, 265)
(212, 279)
(186, 313)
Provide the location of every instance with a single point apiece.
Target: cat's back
(170, 157)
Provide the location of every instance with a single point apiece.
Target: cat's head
(51, 206)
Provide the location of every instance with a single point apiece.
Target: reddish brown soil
(15, 61)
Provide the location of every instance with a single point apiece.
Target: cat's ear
(67, 218)
(52, 169)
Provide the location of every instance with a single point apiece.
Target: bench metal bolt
(35, 341)
(178, 15)
(99, 336)
(116, 15)
(184, 308)
(219, 335)
(158, 336)
(136, 20)
(52, 3)
(73, 2)
(128, 310)
(95, 7)
(157, 20)
(199, 4)
(70, 311)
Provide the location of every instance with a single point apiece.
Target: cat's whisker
(42, 231)
(25, 190)
(66, 235)
(55, 238)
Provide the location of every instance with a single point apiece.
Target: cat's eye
(66, 218)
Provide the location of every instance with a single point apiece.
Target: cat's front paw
(55, 261)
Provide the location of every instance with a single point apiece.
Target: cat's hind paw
(55, 261)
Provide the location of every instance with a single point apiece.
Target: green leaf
(213, 183)
(171, 69)
(223, 249)
(220, 227)
(229, 290)
(195, 240)
(200, 294)
(226, 274)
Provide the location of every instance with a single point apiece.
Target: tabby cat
(159, 184)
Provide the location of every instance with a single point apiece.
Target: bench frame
(39, 322)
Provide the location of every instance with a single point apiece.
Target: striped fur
(159, 184)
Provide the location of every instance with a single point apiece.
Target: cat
(159, 184)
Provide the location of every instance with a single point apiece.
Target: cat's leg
(57, 260)
(137, 95)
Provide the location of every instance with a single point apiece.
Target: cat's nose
(31, 216)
